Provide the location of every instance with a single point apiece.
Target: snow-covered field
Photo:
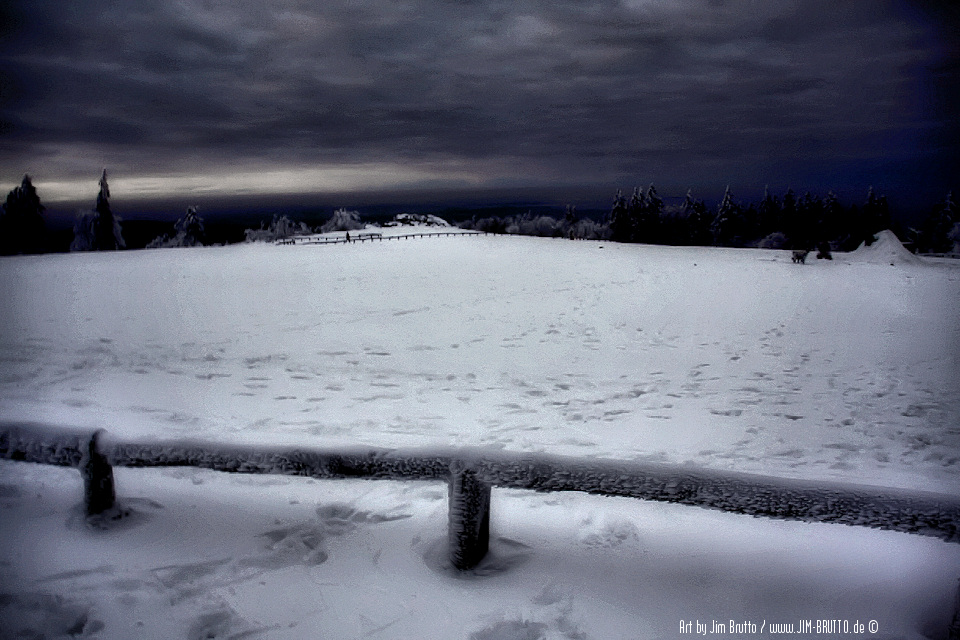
(734, 359)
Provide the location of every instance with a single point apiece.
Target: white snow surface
(417, 220)
(840, 370)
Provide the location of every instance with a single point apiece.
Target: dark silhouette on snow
(98, 230)
(940, 230)
(22, 228)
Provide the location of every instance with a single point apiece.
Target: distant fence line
(374, 237)
(471, 473)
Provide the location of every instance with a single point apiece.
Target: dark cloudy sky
(250, 96)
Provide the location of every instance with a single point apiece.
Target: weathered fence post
(98, 490)
(469, 524)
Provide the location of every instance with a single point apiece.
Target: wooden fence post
(469, 523)
(98, 490)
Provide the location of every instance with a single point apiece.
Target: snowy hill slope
(727, 358)
(720, 358)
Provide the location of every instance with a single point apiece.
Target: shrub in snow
(98, 230)
(281, 227)
(531, 225)
(776, 240)
(342, 220)
(823, 251)
(542, 225)
(586, 229)
(493, 224)
(21, 221)
(189, 232)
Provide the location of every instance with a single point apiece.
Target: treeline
(775, 222)
(23, 229)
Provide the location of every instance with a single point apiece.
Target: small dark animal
(800, 257)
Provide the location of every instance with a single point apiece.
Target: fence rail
(471, 473)
(375, 237)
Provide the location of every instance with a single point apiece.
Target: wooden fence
(471, 473)
(375, 237)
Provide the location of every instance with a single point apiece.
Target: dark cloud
(683, 92)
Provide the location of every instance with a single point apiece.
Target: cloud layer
(441, 93)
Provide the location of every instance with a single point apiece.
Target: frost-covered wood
(43, 443)
(469, 517)
(98, 489)
(813, 501)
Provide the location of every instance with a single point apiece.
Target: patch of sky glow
(373, 176)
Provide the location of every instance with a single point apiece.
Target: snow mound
(417, 220)
(886, 249)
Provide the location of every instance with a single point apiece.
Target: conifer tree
(648, 219)
(98, 230)
(621, 227)
(874, 217)
(190, 229)
(21, 222)
(801, 227)
(106, 226)
(935, 236)
(832, 216)
(698, 220)
(768, 213)
(727, 223)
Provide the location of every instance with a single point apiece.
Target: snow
(417, 220)
(887, 248)
(833, 371)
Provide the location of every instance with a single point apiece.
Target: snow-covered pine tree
(832, 216)
(788, 209)
(98, 230)
(698, 220)
(654, 202)
(803, 227)
(936, 233)
(281, 227)
(189, 232)
(189, 228)
(768, 213)
(727, 224)
(621, 227)
(566, 226)
(647, 221)
(874, 216)
(21, 222)
(343, 220)
(107, 233)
